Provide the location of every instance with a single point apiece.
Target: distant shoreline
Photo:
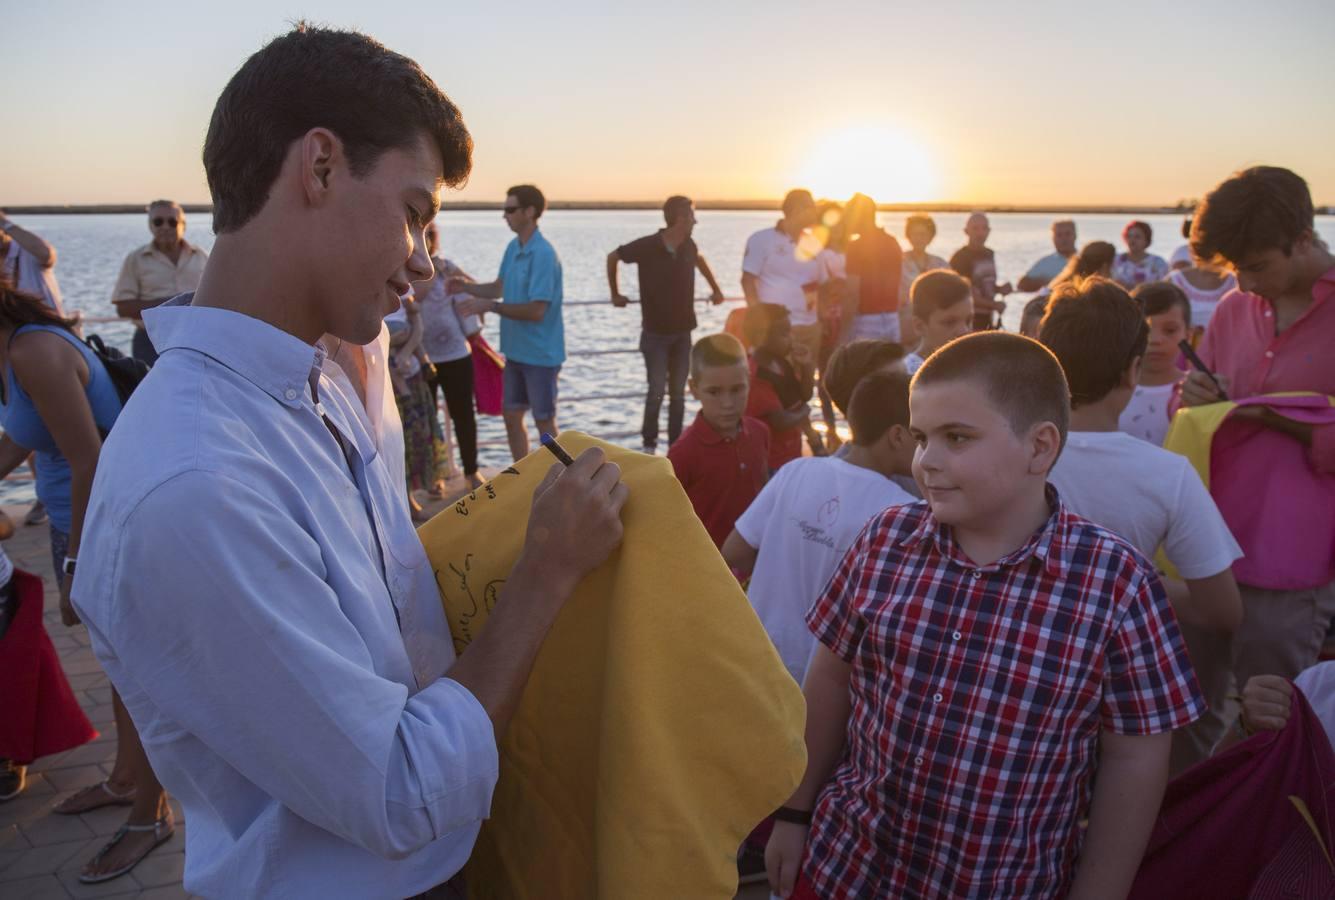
(616, 205)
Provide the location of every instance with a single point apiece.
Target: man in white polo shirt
(780, 266)
(166, 267)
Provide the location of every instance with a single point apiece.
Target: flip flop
(108, 798)
(162, 830)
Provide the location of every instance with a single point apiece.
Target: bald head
(977, 228)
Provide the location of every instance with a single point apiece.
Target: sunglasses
(511, 210)
(159, 221)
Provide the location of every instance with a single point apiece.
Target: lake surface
(92, 247)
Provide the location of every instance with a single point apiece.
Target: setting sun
(880, 161)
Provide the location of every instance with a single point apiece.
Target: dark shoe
(751, 865)
(13, 779)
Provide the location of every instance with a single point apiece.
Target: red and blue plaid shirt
(978, 696)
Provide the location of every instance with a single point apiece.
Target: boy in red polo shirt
(982, 656)
(722, 459)
(782, 381)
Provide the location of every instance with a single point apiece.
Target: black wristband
(795, 816)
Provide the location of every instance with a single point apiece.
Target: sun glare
(878, 160)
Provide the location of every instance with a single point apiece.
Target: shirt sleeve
(1322, 451)
(835, 618)
(1149, 686)
(127, 282)
(1199, 543)
(239, 641)
(751, 523)
(681, 457)
(545, 277)
(632, 252)
(753, 260)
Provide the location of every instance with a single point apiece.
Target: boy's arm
(828, 705)
(738, 554)
(1129, 787)
(1215, 602)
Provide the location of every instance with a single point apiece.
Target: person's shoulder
(755, 429)
(1095, 548)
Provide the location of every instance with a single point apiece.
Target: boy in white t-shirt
(942, 304)
(797, 530)
(1147, 495)
(1168, 312)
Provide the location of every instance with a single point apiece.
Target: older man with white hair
(166, 267)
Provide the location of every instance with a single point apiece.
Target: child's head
(1168, 312)
(990, 413)
(942, 308)
(856, 360)
(1032, 316)
(768, 328)
(1098, 334)
(878, 414)
(720, 380)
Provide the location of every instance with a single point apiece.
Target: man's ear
(321, 153)
(1045, 442)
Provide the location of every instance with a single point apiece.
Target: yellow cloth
(658, 725)
(1192, 432)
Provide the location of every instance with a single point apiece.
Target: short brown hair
(374, 99)
(1158, 297)
(879, 402)
(529, 196)
(935, 290)
(675, 207)
(1261, 208)
(854, 361)
(715, 350)
(1021, 378)
(760, 321)
(922, 219)
(1095, 330)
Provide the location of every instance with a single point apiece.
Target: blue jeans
(667, 360)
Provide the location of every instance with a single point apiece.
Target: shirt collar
(276, 362)
(1051, 544)
(187, 249)
(709, 435)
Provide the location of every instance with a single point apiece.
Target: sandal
(105, 796)
(162, 830)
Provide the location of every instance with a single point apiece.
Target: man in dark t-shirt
(667, 261)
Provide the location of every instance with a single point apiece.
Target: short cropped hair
(760, 320)
(528, 195)
(1261, 208)
(374, 99)
(1060, 222)
(922, 219)
(1020, 377)
(158, 204)
(675, 207)
(935, 290)
(716, 350)
(1034, 309)
(797, 199)
(879, 402)
(854, 361)
(1095, 330)
(1158, 297)
(1143, 226)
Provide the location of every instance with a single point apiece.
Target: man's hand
(620, 300)
(457, 284)
(67, 613)
(716, 298)
(783, 856)
(1005, 289)
(474, 306)
(1267, 701)
(1199, 390)
(576, 520)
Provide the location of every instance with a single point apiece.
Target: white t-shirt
(781, 267)
(1318, 685)
(1146, 416)
(1203, 302)
(1148, 496)
(803, 522)
(913, 362)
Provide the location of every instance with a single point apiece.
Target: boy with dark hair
(1272, 476)
(782, 380)
(1150, 497)
(942, 311)
(1168, 314)
(1032, 316)
(794, 534)
(853, 361)
(954, 728)
(250, 577)
(722, 459)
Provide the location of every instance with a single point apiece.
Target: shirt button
(904, 815)
(974, 573)
(917, 760)
(1270, 354)
(937, 697)
(956, 635)
(290, 394)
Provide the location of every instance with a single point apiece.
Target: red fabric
(876, 259)
(40, 715)
(785, 444)
(978, 694)
(721, 475)
(488, 380)
(802, 890)
(1228, 829)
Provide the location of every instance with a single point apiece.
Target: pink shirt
(1277, 496)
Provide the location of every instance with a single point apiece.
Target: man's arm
(613, 290)
(533, 311)
(738, 554)
(715, 292)
(44, 253)
(487, 290)
(749, 289)
(828, 706)
(12, 455)
(1128, 790)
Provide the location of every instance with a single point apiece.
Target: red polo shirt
(721, 475)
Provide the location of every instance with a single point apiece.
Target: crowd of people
(1014, 611)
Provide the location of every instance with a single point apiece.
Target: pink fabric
(487, 375)
(1265, 482)
(1228, 829)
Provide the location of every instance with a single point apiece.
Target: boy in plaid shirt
(982, 655)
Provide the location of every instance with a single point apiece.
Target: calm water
(92, 247)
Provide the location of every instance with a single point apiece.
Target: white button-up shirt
(259, 597)
(783, 269)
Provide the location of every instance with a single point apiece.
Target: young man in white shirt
(797, 530)
(780, 266)
(1150, 497)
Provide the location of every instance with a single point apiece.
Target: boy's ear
(1131, 377)
(1045, 442)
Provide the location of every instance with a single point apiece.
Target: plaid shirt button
(937, 697)
(956, 635)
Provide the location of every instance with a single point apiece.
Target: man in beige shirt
(167, 266)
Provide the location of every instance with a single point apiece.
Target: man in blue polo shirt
(527, 296)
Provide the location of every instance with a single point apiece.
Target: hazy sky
(1001, 102)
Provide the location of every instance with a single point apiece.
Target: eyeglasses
(159, 221)
(511, 210)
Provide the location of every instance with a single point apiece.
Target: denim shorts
(531, 387)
